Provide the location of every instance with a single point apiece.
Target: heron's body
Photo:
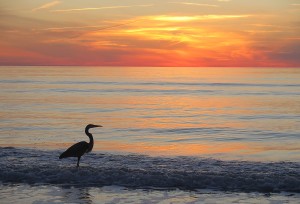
(78, 149)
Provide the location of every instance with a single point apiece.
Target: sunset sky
(238, 33)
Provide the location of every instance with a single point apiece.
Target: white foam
(43, 167)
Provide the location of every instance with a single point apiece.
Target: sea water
(170, 135)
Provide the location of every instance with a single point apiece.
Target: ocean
(169, 135)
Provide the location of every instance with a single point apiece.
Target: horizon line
(135, 66)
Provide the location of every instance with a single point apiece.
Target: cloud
(169, 35)
(194, 4)
(287, 53)
(99, 8)
(194, 18)
(48, 5)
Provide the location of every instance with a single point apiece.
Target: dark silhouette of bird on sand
(78, 149)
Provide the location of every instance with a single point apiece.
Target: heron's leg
(78, 161)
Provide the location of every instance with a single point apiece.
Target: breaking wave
(31, 166)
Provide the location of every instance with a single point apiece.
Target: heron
(78, 149)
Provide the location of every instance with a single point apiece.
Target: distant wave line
(153, 83)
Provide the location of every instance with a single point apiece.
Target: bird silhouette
(78, 149)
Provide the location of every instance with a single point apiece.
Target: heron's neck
(91, 144)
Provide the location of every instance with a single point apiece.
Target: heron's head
(92, 126)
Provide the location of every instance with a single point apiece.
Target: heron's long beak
(98, 126)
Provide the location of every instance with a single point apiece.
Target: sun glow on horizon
(154, 34)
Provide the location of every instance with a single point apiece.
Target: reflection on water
(73, 194)
(51, 194)
(248, 113)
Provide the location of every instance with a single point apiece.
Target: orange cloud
(148, 38)
(155, 38)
